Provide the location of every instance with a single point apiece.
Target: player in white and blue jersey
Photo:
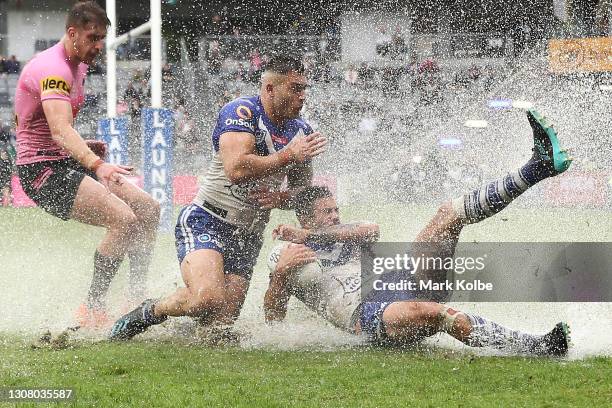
(258, 142)
(321, 266)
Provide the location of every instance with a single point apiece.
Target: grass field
(46, 266)
(171, 375)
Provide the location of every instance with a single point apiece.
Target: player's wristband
(94, 167)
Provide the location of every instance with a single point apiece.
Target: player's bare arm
(242, 163)
(297, 180)
(291, 257)
(60, 119)
(354, 232)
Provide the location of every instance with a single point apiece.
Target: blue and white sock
(495, 196)
(486, 333)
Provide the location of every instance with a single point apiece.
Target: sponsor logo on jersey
(274, 257)
(350, 284)
(260, 136)
(54, 85)
(241, 191)
(280, 139)
(244, 112)
(240, 122)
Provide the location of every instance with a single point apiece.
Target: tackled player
(321, 266)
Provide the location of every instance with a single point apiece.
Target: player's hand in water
(290, 233)
(268, 200)
(111, 173)
(293, 256)
(304, 148)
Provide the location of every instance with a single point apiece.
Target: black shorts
(53, 184)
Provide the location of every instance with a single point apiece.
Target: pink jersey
(49, 75)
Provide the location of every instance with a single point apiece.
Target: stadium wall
(32, 31)
(361, 33)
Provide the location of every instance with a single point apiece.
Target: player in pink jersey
(62, 173)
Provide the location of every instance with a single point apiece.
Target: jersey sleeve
(237, 116)
(54, 82)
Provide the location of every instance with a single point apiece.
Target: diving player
(321, 266)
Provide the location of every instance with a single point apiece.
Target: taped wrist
(448, 316)
(90, 159)
(94, 167)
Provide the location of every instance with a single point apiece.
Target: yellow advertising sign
(580, 55)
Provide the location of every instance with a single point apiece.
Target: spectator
(366, 73)
(383, 42)
(213, 57)
(134, 97)
(167, 73)
(138, 76)
(256, 64)
(12, 65)
(95, 69)
(5, 85)
(351, 76)
(7, 155)
(321, 70)
(397, 47)
(219, 25)
(242, 74)
(185, 127)
(428, 82)
(474, 73)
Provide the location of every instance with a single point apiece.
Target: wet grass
(178, 375)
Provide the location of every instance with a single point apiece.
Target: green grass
(175, 375)
(46, 265)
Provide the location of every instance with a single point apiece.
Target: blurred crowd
(9, 65)
(7, 161)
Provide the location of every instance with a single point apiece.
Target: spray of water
(403, 128)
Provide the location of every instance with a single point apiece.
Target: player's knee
(150, 213)
(421, 312)
(153, 210)
(446, 211)
(124, 221)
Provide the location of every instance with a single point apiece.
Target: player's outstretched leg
(135, 322)
(407, 322)
(548, 160)
(476, 331)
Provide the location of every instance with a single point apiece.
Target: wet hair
(86, 12)
(304, 201)
(284, 64)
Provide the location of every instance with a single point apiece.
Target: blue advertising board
(114, 131)
(158, 145)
